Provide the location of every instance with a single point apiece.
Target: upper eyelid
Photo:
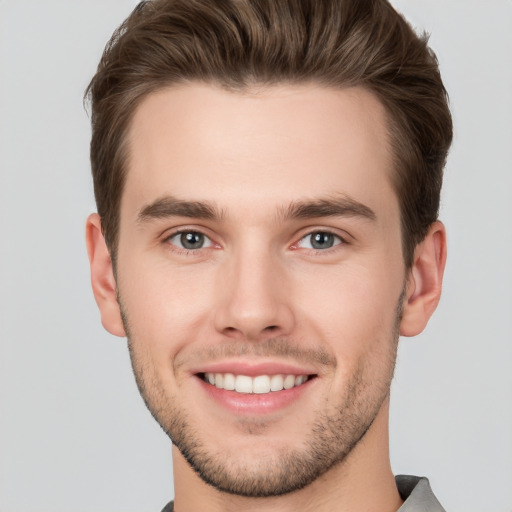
(299, 235)
(342, 241)
(170, 232)
(177, 248)
(168, 235)
(341, 234)
(182, 231)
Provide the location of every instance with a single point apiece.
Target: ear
(424, 282)
(102, 277)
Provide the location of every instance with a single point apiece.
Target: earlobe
(424, 283)
(102, 277)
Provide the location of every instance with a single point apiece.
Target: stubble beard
(333, 435)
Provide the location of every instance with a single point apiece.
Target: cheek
(165, 308)
(354, 310)
(354, 313)
(357, 321)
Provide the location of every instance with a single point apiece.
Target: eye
(319, 240)
(190, 240)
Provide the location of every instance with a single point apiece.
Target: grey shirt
(414, 490)
(417, 495)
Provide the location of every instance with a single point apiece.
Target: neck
(362, 482)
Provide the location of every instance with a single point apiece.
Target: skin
(257, 292)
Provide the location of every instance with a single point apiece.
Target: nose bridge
(254, 304)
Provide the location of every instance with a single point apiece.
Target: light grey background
(74, 434)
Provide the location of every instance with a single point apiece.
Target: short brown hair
(239, 43)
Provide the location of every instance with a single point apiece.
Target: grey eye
(319, 240)
(190, 240)
(322, 240)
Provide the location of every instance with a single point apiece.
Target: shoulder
(417, 495)
(169, 507)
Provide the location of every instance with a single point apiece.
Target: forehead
(263, 147)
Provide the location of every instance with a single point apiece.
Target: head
(267, 177)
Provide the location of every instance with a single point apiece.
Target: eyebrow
(330, 207)
(170, 206)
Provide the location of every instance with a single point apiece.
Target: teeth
(261, 384)
(289, 382)
(276, 383)
(300, 379)
(229, 381)
(243, 384)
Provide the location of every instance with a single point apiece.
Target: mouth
(259, 384)
(256, 388)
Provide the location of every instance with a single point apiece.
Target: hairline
(254, 87)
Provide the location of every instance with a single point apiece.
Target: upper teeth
(259, 384)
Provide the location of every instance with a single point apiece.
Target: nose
(254, 302)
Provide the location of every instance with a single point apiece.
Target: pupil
(322, 240)
(192, 240)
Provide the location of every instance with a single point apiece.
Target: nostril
(252, 330)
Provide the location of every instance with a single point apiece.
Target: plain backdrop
(74, 433)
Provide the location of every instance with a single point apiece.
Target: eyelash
(339, 240)
(182, 250)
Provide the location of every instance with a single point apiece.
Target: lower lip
(255, 403)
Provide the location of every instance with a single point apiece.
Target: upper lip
(253, 369)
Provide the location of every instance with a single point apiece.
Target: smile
(259, 384)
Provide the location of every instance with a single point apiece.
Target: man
(267, 176)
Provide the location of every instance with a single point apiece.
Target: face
(260, 276)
